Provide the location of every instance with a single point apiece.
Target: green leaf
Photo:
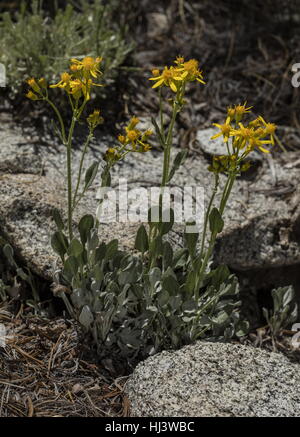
(180, 258)
(58, 220)
(163, 297)
(156, 246)
(220, 319)
(71, 267)
(165, 227)
(85, 226)
(106, 178)
(111, 249)
(98, 273)
(59, 243)
(90, 175)
(216, 223)
(189, 307)
(100, 252)
(93, 240)
(219, 275)
(22, 274)
(190, 281)
(154, 276)
(170, 284)
(242, 328)
(9, 254)
(75, 248)
(157, 131)
(86, 317)
(141, 240)
(178, 161)
(191, 240)
(167, 255)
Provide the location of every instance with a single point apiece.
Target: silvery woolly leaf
(141, 240)
(90, 175)
(154, 276)
(111, 249)
(242, 328)
(216, 222)
(59, 243)
(86, 317)
(58, 220)
(93, 239)
(85, 225)
(75, 248)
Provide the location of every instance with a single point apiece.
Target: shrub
(32, 43)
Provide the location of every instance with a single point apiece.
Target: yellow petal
(160, 82)
(263, 149)
(155, 78)
(216, 136)
(173, 87)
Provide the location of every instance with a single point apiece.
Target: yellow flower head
(112, 155)
(34, 85)
(269, 129)
(76, 88)
(133, 135)
(135, 138)
(250, 138)
(79, 88)
(147, 134)
(88, 65)
(74, 68)
(122, 139)
(237, 112)
(30, 95)
(65, 79)
(225, 130)
(94, 119)
(189, 71)
(146, 148)
(169, 77)
(179, 60)
(133, 123)
(37, 87)
(42, 83)
(155, 72)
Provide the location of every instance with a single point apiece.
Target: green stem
(81, 166)
(161, 114)
(215, 189)
(225, 196)
(226, 193)
(76, 115)
(62, 125)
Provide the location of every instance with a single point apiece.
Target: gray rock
(261, 221)
(215, 379)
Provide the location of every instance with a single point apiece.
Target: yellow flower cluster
(176, 76)
(77, 83)
(245, 137)
(38, 88)
(133, 140)
(94, 119)
(227, 163)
